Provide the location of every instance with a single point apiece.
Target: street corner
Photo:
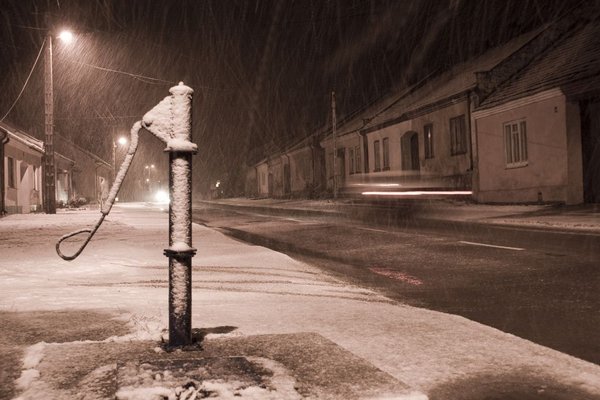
(285, 366)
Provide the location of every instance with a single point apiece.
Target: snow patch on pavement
(147, 384)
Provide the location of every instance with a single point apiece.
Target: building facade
(22, 171)
(538, 133)
(518, 124)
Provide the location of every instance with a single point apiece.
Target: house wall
(262, 174)
(343, 145)
(301, 171)
(251, 183)
(443, 169)
(553, 170)
(276, 177)
(87, 171)
(575, 194)
(454, 169)
(26, 195)
(394, 134)
(63, 176)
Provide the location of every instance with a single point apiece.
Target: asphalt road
(539, 286)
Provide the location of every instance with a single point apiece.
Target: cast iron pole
(180, 251)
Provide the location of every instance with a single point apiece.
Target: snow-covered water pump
(170, 121)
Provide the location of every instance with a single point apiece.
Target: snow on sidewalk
(259, 291)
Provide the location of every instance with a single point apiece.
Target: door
(410, 151)
(590, 147)
(287, 185)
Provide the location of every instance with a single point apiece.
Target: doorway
(410, 151)
(590, 148)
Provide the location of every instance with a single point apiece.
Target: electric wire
(142, 78)
(26, 81)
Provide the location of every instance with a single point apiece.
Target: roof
(450, 84)
(573, 63)
(22, 137)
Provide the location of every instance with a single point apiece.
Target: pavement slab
(293, 366)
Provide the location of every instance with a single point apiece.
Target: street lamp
(49, 172)
(66, 36)
(121, 141)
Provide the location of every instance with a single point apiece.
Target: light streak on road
(420, 193)
(492, 245)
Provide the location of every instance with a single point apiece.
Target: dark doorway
(590, 147)
(287, 177)
(410, 151)
(341, 167)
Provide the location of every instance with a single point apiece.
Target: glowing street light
(66, 36)
(121, 141)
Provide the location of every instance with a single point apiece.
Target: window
(351, 161)
(386, 153)
(458, 135)
(358, 166)
(428, 139)
(377, 154)
(515, 144)
(11, 172)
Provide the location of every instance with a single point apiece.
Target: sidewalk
(575, 219)
(272, 327)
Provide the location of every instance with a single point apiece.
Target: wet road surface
(521, 282)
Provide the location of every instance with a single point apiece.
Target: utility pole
(49, 179)
(333, 129)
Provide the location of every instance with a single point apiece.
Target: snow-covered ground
(257, 290)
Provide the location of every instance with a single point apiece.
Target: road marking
(491, 245)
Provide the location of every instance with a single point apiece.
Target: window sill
(517, 165)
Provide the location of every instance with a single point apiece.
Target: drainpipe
(472, 135)
(3, 140)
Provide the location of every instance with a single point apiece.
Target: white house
(21, 172)
(538, 134)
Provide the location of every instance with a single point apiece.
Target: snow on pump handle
(170, 121)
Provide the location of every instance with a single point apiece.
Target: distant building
(21, 171)
(78, 172)
(87, 171)
(517, 124)
(296, 171)
(418, 138)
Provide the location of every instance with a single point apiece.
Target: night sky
(262, 71)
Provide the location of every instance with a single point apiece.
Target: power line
(142, 78)
(26, 81)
